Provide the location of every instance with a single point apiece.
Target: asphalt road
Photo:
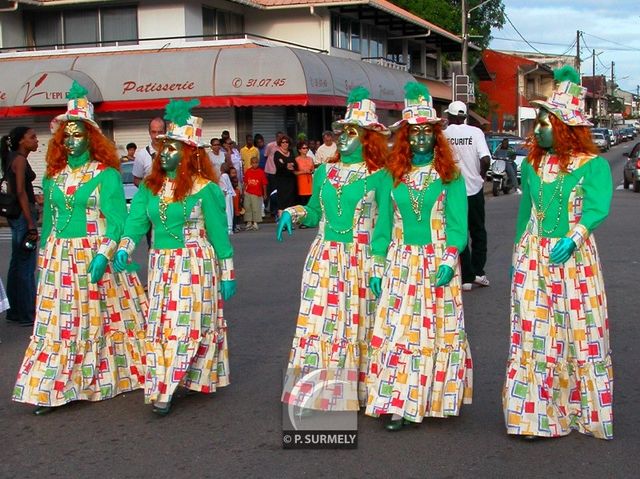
(236, 432)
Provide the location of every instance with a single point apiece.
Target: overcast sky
(611, 27)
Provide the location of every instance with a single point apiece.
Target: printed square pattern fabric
(559, 372)
(88, 339)
(335, 320)
(421, 363)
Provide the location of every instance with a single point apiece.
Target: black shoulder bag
(9, 206)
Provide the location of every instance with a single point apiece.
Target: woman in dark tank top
(21, 286)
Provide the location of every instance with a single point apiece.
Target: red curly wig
(100, 148)
(194, 163)
(567, 141)
(374, 150)
(400, 159)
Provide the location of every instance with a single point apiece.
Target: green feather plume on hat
(357, 94)
(76, 91)
(565, 73)
(179, 111)
(415, 91)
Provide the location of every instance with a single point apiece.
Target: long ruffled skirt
(559, 373)
(420, 362)
(186, 333)
(88, 339)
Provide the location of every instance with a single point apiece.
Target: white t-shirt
(468, 146)
(324, 153)
(142, 162)
(216, 160)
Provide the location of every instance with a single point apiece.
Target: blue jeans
(21, 280)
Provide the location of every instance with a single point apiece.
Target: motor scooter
(498, 172)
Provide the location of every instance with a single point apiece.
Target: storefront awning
(219, 77)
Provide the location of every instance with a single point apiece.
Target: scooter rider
(510, 161)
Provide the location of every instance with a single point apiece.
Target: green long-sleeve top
(443, 207)
(339, 208)
(84, 199)
(168, 233)
(573, 204)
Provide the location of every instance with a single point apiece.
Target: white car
(599, 140)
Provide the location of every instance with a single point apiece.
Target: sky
(611, 28)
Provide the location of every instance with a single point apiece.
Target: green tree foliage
(448, 15)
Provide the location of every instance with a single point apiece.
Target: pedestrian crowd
(401, 236)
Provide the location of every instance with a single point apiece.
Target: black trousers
(474, 256)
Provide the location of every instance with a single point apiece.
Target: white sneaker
(482, 280)
(467, 286)
(518, 191)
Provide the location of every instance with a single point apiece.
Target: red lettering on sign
(131, 86)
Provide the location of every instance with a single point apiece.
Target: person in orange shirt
(304, 173)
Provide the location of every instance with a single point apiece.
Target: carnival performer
(190, 264)
(336, 308)
(559, 374)
(88, 337)
(420, 359)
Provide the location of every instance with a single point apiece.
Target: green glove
(375, 285)
(562, 251)
(228, 289)
(97, 267)
(284, 222)
(120, 260)
(444, 275)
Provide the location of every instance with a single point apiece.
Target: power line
(610, 41)
(630, 49)
(520, 34)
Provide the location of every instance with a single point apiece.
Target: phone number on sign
(259, 82)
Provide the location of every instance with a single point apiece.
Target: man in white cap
(473, 157)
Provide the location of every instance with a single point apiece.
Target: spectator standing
(247, 152)
(234, 155)
(327, 150)
(258, 142)
(131, 152)
(224, 182)
(285, 163)
(304, 174)
(21, 284)
(237, 199)
(473, 157)
(270, 170)
(144, 157)
(255, 192)
(216, 155)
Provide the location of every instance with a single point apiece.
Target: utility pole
(596, 108)
(465, 39)
(613, 88)
(578, 32)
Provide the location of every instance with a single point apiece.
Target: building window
(372, 44)
(345, 34)
(82, 28)
(219, 22)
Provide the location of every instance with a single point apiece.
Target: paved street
(236, 432)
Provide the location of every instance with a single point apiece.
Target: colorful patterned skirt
(186, 333)
(559, 373)
(329, 355)
(88, 339)
(421, 362)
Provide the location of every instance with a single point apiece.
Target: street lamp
(466, 15)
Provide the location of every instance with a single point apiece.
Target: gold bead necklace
(541, 212)
(338, 189)
(163, 205)
(417, 199)
(69, 200)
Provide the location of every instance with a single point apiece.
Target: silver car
(130, 189)
(599, 140)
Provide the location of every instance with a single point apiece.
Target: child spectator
(227, 188)
(255, 192)
(237, 199)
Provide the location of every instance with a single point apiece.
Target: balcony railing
(384, 62)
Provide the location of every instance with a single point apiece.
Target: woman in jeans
(21, 283)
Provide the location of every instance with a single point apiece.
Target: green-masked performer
(190, 264)
(88, 335)
(420, 360)
(559, 374)
(328, 359)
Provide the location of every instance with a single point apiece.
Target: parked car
(631, 171)
(613, 136)
(605, 134)
(130, 189)
(600, 141)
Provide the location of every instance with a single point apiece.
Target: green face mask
(76, 139)
(170, 155)
(421, 139)
(543, 130)
(349, 141)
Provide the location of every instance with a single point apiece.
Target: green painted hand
(97, 267)
(562, 251)
(375, 285)
(444, 275)
(284, 222)
(228, 289)
(120, 260)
